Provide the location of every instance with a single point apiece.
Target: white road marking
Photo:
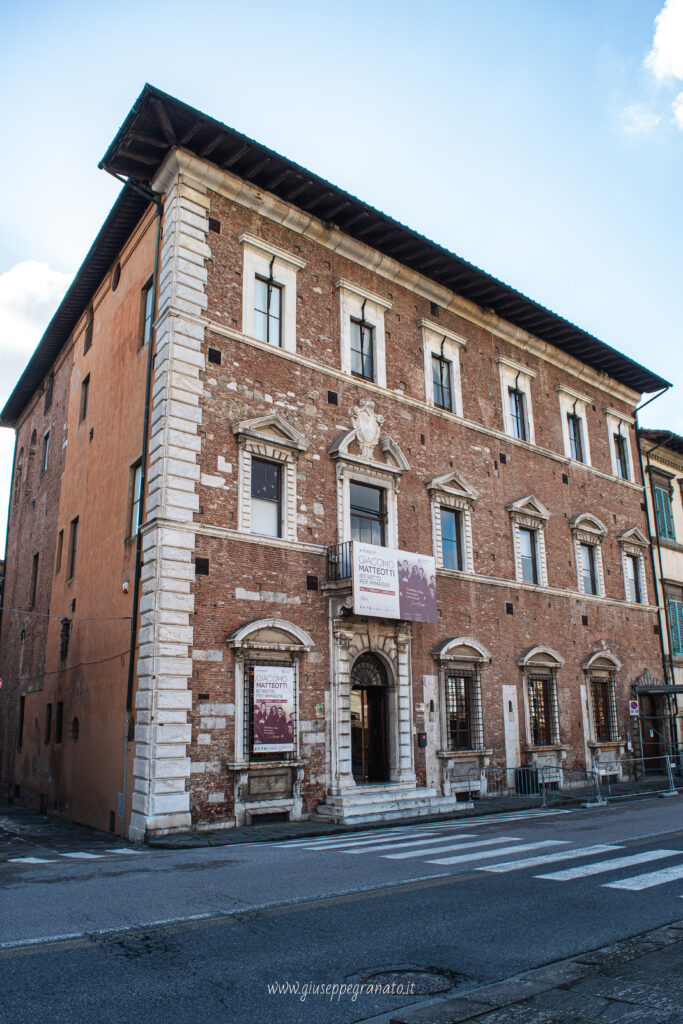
(383, 847)
(639, 882)
(600, 866)
(83, 856)
(463, 858)
(343, 844)
(31, 860)
(345, 837)
(136, 853)
(453, 846)
(548, 858)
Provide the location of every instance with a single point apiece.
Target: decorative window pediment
(270, 430)
(451, 502)
(603, 661)
(541, 657)
(453, 486)
(268, 439)
(271, 634)
(633, 546)
(588, 533)
(462, 648)
(633, 538)
(528, 511)
(587, 528)
(529, 517)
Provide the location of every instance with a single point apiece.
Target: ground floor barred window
(604, 709)
(543, 717)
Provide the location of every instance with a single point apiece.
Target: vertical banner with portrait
(273, 708)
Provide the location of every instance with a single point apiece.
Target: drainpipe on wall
(156, 199)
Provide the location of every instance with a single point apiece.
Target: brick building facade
(319, 375)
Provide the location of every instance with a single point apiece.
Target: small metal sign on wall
(633, 707)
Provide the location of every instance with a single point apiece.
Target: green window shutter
(665, 523)
(676, 622)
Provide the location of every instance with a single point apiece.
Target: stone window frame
(356, 303)
(259, 258)
(515, 375)
(529, 513)
(602, 666)
(634, 543)
(615, 419)
(467, 655)
(588, 529)
(363, 469)
(451, 491)
(542, 662)
(436, 341)
(574, 403)
(273, 439)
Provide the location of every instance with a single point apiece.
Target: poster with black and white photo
(393, 584)
(273, 709)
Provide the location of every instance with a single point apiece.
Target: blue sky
(540, 139)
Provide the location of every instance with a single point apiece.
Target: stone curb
(474, 1003)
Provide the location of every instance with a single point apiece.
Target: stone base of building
(387, 802)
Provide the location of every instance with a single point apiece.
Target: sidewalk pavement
(634, 981)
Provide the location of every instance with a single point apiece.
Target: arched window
(368, 670)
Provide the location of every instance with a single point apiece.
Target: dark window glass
(58, 557)
(266, 490)
(541, 712)
(85, 395)
(575, 437)
(528, 550)
(604, 710)
(362, 350)
(59, 718)
(73, 542)
(621, 456)
(460, 712)
(518, 413)
(451, 538)
(368, 513)
(147, 312)
(20, 724)
(267, 311)
(45, 451)
(441, 375)
(34, 580)
(87, 337)
(633, 579)
(588, 573)
(49, 389)
(48, 722)
(135, 508)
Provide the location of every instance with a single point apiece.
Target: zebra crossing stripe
(487, 854)
(122, 850)
(548, 858)
(383, 847)
(638, 882)
(31, 860)
(453, 846)
(83, 856)
(348, 844)
(601, 866)
(375, 835)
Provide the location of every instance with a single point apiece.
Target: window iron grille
(604, 704)
(543, 712)
(339, 565)
(463, 711)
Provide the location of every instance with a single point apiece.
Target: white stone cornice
(516, 367)
(609, 411)
(564, 389)
(363, 293)
(429, 325)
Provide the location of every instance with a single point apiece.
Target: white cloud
(29, 295)
(638, 120)
(665, 59)
(678, 111)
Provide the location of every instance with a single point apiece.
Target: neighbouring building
(660, 722)
(357, 509)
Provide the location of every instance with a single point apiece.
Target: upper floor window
(661, 492)
(268, 451)
(618, 434)
(674, 604)
(574, 427)
(515, 381)
(135, 499)
(87, 337)
(269, 296)
(266, 498)
(451, 538)
(73, 544)
(633, 586)
(442, 367)
(441, 382)
(368, 513)
(34, 581)
(49, 391)
(575, 437)
(452, 501)
(588, 534)
(268, 310)
(529, 518)
(85, 396)
(362, 349)
(147, 312)
(362, 332)
(45, 452)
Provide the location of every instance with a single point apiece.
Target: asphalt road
(102, 931)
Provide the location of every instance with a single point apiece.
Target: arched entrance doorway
(369, 687)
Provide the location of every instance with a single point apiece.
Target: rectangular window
(663, 510)
(588, 574)
(441, 376)
(58, 557)
(604, 710)
(362, 350)
(575, 437)
(48, 722)
(85, 393)
(542, 718)
(49, 389)
(621, 456)
(461, 706)
(528, 547)
(135, 503)
(146, 312)
(59, 719)
(20, 724)
(675, 609)
(34, 580)
(73, 542)
(633, 579)
(518, 414)
(267, 311)
(266, 498)
(45, 452)
(87, 337)
(451, 539)
(368, 513)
